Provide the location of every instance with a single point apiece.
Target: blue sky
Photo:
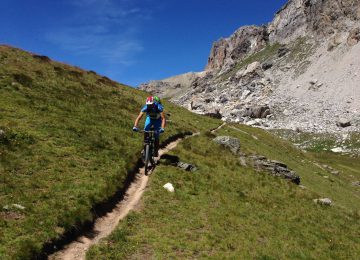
(130, 41)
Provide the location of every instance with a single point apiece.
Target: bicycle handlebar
(151, 131)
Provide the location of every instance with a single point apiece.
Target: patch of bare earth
(11, 215)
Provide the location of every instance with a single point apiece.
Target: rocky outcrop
(275, 168)
(318, 18)
(245, 41)
(229, 142)
(298, 18)
(300, 71)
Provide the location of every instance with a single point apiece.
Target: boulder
(282, 51)
(215, 114)
(335, 41)
(354, 37)
(267, 65)
(343, 122)
(252, 123)
(230, 142)
(257, 112)
(252, 68)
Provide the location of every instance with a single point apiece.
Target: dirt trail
(105, 225)
(218, 128)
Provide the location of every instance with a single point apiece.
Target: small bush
(23, 79)
(11, 138)
(42, 58)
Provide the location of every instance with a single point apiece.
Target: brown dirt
(11, 215)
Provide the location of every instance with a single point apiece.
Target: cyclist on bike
(154, 118)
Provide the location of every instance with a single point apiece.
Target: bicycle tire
(147, 158)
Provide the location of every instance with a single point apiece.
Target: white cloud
(104, 29)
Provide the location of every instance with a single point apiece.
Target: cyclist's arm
(163, 120)
(138, 119)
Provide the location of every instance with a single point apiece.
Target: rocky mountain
(301, 71)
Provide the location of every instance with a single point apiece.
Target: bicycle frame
(149, 146)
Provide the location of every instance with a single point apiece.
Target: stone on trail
(169, 187)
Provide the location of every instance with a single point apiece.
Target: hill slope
(66, 145)
(226, 210)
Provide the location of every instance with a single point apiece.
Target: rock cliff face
(300, 71)
(298, 18)
(245, 41)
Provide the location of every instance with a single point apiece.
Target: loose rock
(266, 65)
(169, 187)
(337, 150)
(325, 201)
(355, 183)
(343, 122)
(187, 166)
(18, 206)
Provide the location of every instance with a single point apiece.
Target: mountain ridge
(287, 66)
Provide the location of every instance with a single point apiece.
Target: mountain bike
(149, 149)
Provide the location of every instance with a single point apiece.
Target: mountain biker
(154, 117)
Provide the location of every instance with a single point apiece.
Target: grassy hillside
(65, 145)
(228, 211)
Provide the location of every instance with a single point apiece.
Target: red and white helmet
(150, 100)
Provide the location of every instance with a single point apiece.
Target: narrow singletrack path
(218, 128)
(103, 226)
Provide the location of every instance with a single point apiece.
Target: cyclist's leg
(147, 127)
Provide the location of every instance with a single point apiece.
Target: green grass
(227, 211)
(67, 145)
(338, 188)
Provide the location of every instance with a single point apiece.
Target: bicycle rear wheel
(147, 158)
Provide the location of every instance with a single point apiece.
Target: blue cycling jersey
(153, 111)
